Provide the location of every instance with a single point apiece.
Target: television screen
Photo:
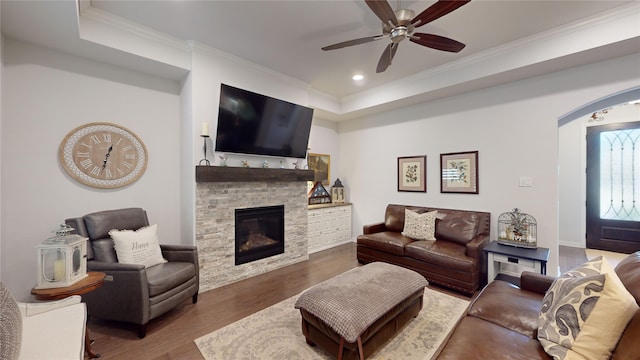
(251, 123)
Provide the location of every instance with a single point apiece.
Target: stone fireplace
(223, 190)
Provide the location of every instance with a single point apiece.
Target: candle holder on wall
(204, 148)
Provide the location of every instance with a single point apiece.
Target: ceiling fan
(401, 24)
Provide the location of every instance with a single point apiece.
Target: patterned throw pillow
(584, 312)
(10, 325)
(419, 226)
(138, 247)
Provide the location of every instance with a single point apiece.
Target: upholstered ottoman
(354, 313)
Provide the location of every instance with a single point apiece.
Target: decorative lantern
(517, 229)
(337, 192)
(62, 259)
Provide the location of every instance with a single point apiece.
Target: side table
(530, 259)
(93, 281)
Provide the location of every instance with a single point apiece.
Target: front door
(613, 187)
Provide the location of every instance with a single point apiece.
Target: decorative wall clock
(103, 155)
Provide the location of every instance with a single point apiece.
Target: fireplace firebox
(259, 233)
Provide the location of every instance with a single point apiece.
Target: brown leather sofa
(455, 259)
(502, 322)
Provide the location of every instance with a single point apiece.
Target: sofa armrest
(32, 309)
(475, 247)
(374, 228)
(535, 282)
(180, 253)
(104, 266)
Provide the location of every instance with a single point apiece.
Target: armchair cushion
(138, 247)
(164, 277)
(47, 330)
(53, 330)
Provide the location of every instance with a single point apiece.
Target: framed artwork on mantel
(412, 173)
(459, 172)
(321, 165)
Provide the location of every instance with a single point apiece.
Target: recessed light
(358, 77)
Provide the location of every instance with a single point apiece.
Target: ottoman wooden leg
(341, 348)
(305, 332)
(360, 348)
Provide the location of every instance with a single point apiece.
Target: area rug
(275, 333)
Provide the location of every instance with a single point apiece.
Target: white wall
(573, 161)
(514, 127)
(47, 94)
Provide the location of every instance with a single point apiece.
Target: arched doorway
(573, 162)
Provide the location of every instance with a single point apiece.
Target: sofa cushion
(388, 241)
(420, 226)
(524, 307)
(476, 339)
(138, 247)
(585, 312)
(442, 253)
(459, 227)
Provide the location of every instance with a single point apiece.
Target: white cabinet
(329, 225)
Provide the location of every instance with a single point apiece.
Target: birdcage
(517, 229)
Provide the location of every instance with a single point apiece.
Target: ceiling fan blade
(383, 10)
(437, 10)
(437, 42)
(363, 40)
(387, 56)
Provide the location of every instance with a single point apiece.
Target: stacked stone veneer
(215, 230)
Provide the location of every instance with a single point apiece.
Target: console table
(529, 259)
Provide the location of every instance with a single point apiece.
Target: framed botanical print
(412, 173)
(459, 172)
(321, 165)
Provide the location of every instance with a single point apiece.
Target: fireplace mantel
(242, 174)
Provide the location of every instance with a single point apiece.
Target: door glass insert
(620, 175)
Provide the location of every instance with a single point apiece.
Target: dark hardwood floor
(171, 336)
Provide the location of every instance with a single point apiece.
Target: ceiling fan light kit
(401, 24)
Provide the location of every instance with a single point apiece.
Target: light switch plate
(526, 181)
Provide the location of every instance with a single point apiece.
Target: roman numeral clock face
(103, 155)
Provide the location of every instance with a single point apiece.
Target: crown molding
(130, 27)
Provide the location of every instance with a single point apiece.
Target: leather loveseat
(502, 322)
(455, 259)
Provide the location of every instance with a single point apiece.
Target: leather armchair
(133, 293)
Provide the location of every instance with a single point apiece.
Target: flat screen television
(251, 123)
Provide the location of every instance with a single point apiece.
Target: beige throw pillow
(138, 247)
(419, 226)
(584, 312)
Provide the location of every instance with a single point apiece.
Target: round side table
(93, 281)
